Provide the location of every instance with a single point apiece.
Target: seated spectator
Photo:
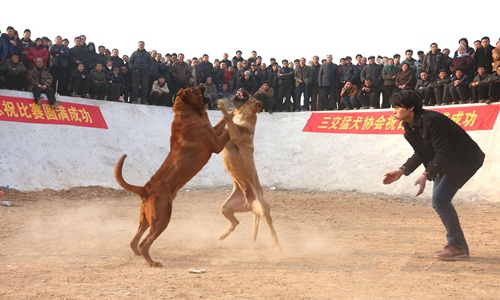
(459, 87)
(480, 86)
(265, 94)
(225, 93)
(37, 51)
(405, 80)
(159, 92)
(3, 68)
(494, 87)
(424, 89)
(348, 94)
(39, 81)
(15, 73)
(115, 82)
(211, 90)
(440, 88)
(126, 89)
(248, 82)
(99, 84)
(80, 82)
(368, 95)
(496, 56)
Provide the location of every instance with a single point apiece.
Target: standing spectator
(37, 51)
(440, 86)
(207, 68)
(374, 72)
(116, 59)
(196, 71)
(79, 54)
(237, 58)
(39, 80)
(468, 50)
(9, 44)
(484, 56)
(98, 83)
(450, 158)
(80, 82)
(419, 64)
(480, 86)
(101, 55)
(349, 72)
(225, 60)
(389, 73)
(424, 90)
(273, 81)
(410, 60)
(159, 92)
(433, 62)
(26, 44)
(140, 64)
(265, 94)
(303, 76)
(459, 87)
(446, 60)
(252, 58)
(262, 73)
(126, 61)
(93, 57)
(462, 61)
(315, 92)
(15, 74)
(286, 82)
(217, 76)
(349, 93)
(180, 74)
(60, 66)
(328, 81)
(397, 61)
(226, 74)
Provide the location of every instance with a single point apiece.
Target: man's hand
(421, 182)
(392, 176)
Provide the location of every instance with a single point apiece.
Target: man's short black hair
(406, 99)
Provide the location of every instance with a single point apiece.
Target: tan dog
(247, 194)
(192, 142)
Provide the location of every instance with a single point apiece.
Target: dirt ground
(74, 244)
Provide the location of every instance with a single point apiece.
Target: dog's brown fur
(247, 194)
(192, 142)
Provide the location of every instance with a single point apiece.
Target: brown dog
(192, 142)
(247, 194)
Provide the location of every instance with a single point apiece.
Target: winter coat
(37, 76)
(328, 75)
(305, 73)
(59, 56)
(140, 60)
(38, 52)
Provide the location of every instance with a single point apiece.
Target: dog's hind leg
(234, 203)
(159, 219)
(143, 226)
(261, 208)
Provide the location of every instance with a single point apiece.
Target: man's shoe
(449, 253)
(55, 105)
(39, 101)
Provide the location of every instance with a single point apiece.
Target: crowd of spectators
(470, 75)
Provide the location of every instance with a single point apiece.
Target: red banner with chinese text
(374, 121)
(14, 109)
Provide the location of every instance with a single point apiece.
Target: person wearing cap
(450, 157)
(374, 72)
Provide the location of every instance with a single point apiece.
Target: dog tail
(139, 190)
(256, 220)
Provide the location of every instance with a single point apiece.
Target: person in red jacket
(38, 51)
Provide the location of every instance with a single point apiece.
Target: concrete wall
(37, 156)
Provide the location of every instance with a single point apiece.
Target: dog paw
(221, 105)
(156, 264)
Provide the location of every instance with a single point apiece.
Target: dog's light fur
(192, 142)
(247, 194)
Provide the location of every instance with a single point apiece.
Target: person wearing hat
(374, 72)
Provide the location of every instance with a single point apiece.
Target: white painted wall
(36, 156)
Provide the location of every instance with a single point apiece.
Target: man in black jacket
(450, 158)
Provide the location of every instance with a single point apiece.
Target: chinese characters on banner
(14, 109)
(469, 117)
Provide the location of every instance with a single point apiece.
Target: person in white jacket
(159, 92)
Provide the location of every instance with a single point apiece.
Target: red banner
(375, 121)
(14, 109)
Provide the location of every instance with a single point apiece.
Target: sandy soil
(73, 244)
